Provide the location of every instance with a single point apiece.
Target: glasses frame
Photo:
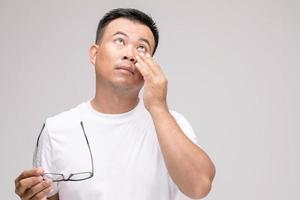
(62, 176)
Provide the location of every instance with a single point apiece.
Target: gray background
(233, 70)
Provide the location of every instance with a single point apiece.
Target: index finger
(151, 62)
(29, 173)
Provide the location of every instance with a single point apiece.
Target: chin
(127, 86)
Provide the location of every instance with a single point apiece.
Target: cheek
(107, 54)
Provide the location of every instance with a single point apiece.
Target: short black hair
(131, 14)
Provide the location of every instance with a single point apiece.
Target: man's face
(115, 55)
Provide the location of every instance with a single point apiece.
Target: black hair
(131, 14)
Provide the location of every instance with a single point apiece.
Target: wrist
(158, 110)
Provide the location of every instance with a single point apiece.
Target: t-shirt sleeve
(185, 126)
(43, 155)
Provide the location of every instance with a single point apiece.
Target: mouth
(126, 69)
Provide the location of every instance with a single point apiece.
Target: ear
(93, 53)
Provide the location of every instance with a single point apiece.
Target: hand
(155, 86)
(30, 185)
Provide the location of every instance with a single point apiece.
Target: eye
(120, 41)
(142, 48)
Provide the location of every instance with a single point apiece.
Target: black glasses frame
(69, 178)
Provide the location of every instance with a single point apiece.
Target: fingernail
(39, 170)
(147, 54)
(49, 181)
(141, 53)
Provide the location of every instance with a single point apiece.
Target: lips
(126, 67)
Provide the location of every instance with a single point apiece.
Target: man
(137, 148)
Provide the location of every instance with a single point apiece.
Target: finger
(42, 194)
(143, 68)
(159, 76)
(27, 183)
(156, 67)
(141, 60)
(151, 62)
(42, 188)
(145, 61)
(29, 173)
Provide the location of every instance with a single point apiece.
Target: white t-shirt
(128, 163)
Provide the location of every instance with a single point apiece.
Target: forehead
(133, 29)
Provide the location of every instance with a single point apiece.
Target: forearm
(188, 165)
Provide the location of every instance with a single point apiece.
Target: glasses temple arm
(87, 141)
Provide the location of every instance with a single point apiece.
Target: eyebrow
(140, 39)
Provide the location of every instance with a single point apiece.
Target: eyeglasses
(57, 177)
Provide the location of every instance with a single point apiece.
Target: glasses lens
(53, 177)
(81, 176)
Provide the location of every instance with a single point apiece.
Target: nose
(130, 54)
(131, 59)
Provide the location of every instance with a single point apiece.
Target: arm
(188, 165)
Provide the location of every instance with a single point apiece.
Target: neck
(114, 101)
